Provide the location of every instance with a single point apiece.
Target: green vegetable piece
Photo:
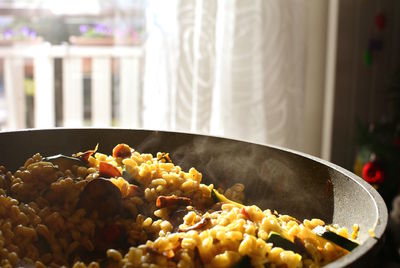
(130, 179)
(335, 238)
(217, 197)
(244, 262)
(64, 162)
(278, 241)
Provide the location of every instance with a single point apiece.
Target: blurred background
(321, 77)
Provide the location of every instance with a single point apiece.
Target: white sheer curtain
(230, 68)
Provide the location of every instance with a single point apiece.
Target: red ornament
(373, 173)
(380, 21)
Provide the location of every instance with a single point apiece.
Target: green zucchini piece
(278, 241)
(64, 162)
(218, 197)
(335, 238)
(126, 176)
(244, 262)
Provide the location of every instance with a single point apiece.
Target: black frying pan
(276, 178)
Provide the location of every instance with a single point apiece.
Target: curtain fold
(231, 68)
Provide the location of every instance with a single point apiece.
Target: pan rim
(382, 212)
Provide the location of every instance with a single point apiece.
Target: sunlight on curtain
(231, 68)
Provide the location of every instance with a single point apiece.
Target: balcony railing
(101, 65)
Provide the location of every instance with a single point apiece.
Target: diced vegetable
(202, 223)
(176, 217)
(221, 198)
(165, 157)
(244, 262)
(301, 247)
(335, 238)
(173, 200)
(278, 241)
(245, 213)
(64, 162)
(108, 170)
(122, 150)
(85, 155)
(103, 196)
(134, 190)
(128, 177)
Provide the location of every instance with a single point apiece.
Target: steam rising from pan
(276, 178)
(270, 182)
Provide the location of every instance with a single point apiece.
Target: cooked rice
(43, 224)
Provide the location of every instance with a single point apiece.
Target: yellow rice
(41, 224)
